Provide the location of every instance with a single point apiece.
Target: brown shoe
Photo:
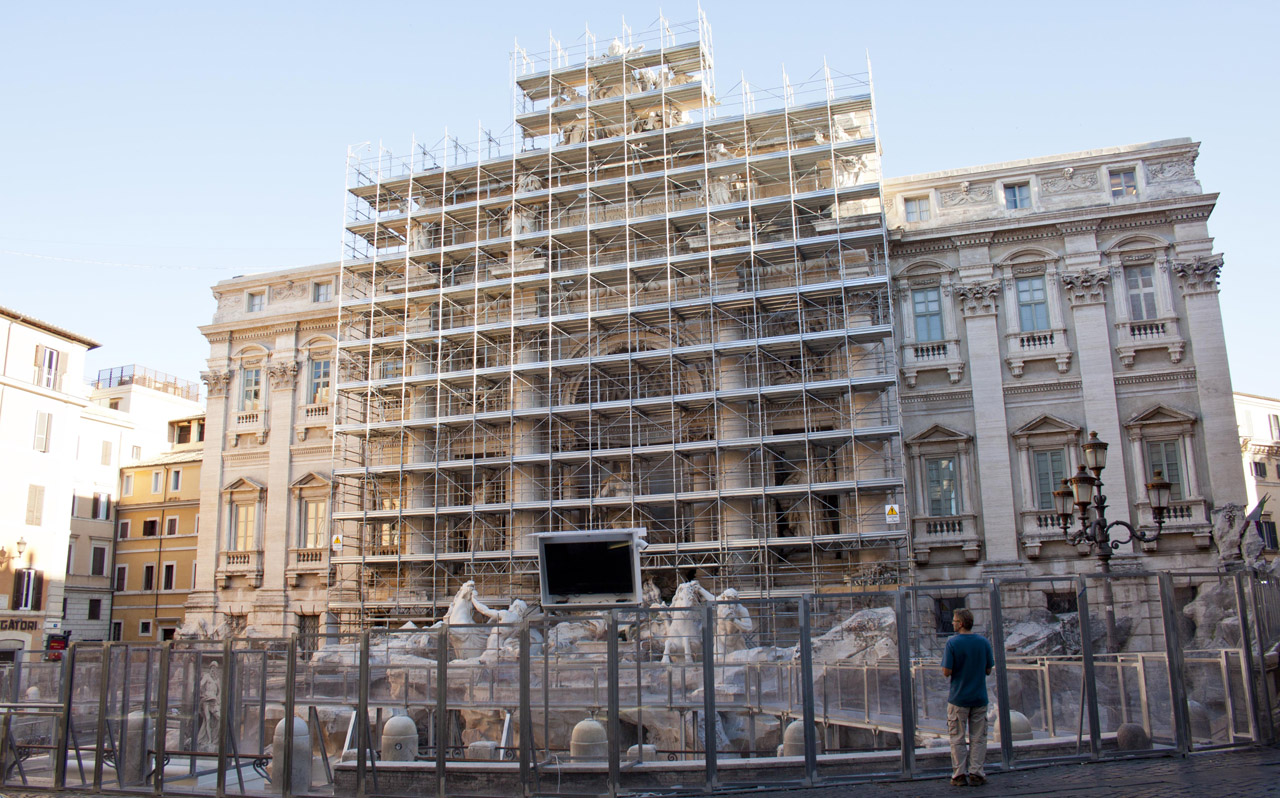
(959, 781)
(976, 781)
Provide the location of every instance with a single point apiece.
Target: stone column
(271, 601)
(978, 304)
(734, 464)
(1198, 280)
(1086, 291)
(202, 603)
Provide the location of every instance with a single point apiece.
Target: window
(940, 474)
(250, 389)
(44, 425)
(168, 632)
(322, 292)
(1050, 469)
(256, 301)
(917, 209)
(117, 630)
(1268, 531)
(167, 578)
(144, 628)
(946, 610)
(106, 453)
(1274, 423)
(319, 386)
(101, 507)
(308, 634)
(1017, 197)
(313, 533)
(136, 452)
(182, 433)
(1061, 603)
(175, 479)
(1259, 469)
(122, 578)
(171, 525)
(150, 527)
(35, 504)
(124, 530)
(926, 306)
(98, 561)
(1141, 287)
(49, 367)
(1124, 184)
(243, 526)
(1163, 456)
(149, 576)
(157, 481)
(28, 589)
(113, 404)
(95, 609)
(126, 485)
(1033, 307)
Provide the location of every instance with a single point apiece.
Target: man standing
(967, 661)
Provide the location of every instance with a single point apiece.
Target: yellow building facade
(156, 526)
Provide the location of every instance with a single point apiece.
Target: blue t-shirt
(968, 656)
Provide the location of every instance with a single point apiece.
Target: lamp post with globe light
(1083, 493)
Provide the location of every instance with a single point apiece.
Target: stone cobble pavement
(1222, 774)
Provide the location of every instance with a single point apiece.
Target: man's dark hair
(966, 618)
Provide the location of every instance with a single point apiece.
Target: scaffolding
(643, 306)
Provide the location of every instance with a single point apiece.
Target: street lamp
(1084, 493)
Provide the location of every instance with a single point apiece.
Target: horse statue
(684, 630)
(467, 642)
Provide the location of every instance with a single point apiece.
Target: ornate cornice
(1199, 276)
(216, 383)
(1156, 376)
(1080, 226)
(972, 240)
(978, 299)
(1043, 387)
(1086, 287)
(937, 396)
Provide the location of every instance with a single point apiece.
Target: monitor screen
(589, 568)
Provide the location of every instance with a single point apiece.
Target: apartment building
(1259, 421)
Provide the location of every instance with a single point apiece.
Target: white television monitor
(590, 567)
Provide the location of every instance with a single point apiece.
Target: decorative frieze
(1068, 181)
(1086, 288)
(289, 290)
(1199, 276)
(967, 194)
(978, 299)
(216, 383)
(1171, 169)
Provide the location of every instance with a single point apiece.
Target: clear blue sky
(190, 143)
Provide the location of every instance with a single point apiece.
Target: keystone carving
(1086, 288)
(978, 299)
(967, 194)
(1199, 276)
(216, 383)
(1069, 180)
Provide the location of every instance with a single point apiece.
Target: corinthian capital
(1199, 276)
(1086, 288)
(978, 299)
(216, 383)
(282, 375)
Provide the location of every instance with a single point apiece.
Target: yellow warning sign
(891, 514)
(336, 543)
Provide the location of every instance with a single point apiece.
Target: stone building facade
(264, 490)
(1037, 301)
(1259, 419)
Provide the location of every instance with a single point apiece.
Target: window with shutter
(98, 562)
(44, 424)
(35, 504)
(106, 453)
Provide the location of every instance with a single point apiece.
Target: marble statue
(684, 629)
(733, 622)
(210, 709)
(467, 642)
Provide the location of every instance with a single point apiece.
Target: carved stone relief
(227, 302)
(967, 194)
(978, 299)
(216, 383)
(283, 375)
(1086, 288)
(1069, 180)
(1182, 168)
(289, 290)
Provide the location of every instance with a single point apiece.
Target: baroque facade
(263, 549)
(1040, 300)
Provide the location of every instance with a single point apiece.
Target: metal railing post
(104, 686)
(614, 721)
(526, 713)
(808, 710)
(162, 715)
(1090, 674)
(1177, 665)
(224, 717)
(709, 696)
(362, 716)
(442, 706)
(906, 682)
(1268, 730)
(1002, 678)
(1246, 641)
(290, 676)
(64, 719)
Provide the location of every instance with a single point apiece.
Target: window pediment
(938, 434)
(1160, 414)
(1046, 425)
(245, 485)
